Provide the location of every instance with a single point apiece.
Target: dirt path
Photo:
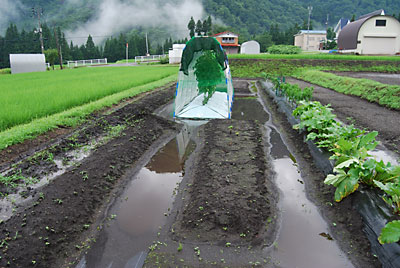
(390, 79)
(363, 114)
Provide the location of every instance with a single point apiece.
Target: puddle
(303, 240)
(248, 109)
(137, 217)
(381, 153)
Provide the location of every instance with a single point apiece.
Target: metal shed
(250, 47)
(27, 63)
(371, 34)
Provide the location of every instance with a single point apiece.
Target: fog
(115, 16)
(9, 10)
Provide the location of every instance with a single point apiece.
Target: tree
(191, 26)
(265, 41)
(207, 25)
(91, 49)
(51, 56)
(353, 18)
(199, 28)
(330, 34)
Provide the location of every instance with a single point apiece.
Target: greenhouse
(204, 89)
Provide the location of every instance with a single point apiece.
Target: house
(309, 39)
(340, 25)
(374, 33)
(229, 41)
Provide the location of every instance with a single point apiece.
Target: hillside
(246, 17)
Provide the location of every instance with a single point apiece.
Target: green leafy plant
(208, 74)
(390, 233)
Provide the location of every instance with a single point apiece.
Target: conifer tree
(191, 26)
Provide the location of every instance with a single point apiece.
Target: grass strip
(319, 56)
(73, 116)
(383, 94)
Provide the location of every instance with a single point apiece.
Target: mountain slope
(245, 16)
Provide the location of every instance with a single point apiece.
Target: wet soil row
(231, 194)
(346, 224)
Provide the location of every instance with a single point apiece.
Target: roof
(310, 32)
(230, 45)
(347, 38)
(340, 25)
(376, 12)
(226, 32)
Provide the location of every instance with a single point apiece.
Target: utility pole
(308, 27)
(147, 46)
(39, 11)
(58, 48)
(127, 52)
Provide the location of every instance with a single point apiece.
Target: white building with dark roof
(374, 34)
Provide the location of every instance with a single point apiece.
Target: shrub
(284, 49)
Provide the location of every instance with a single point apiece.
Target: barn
(372, 34)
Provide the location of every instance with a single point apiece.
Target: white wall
(379, 39)
(26, 63)
(175, 54)
(250, 47)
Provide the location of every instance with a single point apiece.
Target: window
(229, 40)
(380, 23)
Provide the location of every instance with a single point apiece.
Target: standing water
(139, 214)
(303, 240)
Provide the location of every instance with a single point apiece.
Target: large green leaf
(347, 186)
(390, 233)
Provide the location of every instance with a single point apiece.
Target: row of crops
(349, 148)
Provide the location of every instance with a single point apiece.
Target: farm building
(175, 54)
(250, 47)
(309, 40)
(340, 25)
(374, 33)
(27, 63)
(229, 42)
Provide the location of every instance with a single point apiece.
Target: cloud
(9, 10)
(115, 16)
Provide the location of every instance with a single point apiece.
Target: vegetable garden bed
(368, 202)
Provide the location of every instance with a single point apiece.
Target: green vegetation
(353, 164)
(292, 93)
(208, 74)
(25, 97)
(386, 95)
(284, 49)
(5, 71)
(315, 56)
(289, 65)
(84, 91)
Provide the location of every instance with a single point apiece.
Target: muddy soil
(361, 113)
(58, 222)
(390, 79)
(345, 222)
(231, 194)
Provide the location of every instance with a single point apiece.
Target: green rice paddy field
(33, 103)
(24, 97)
